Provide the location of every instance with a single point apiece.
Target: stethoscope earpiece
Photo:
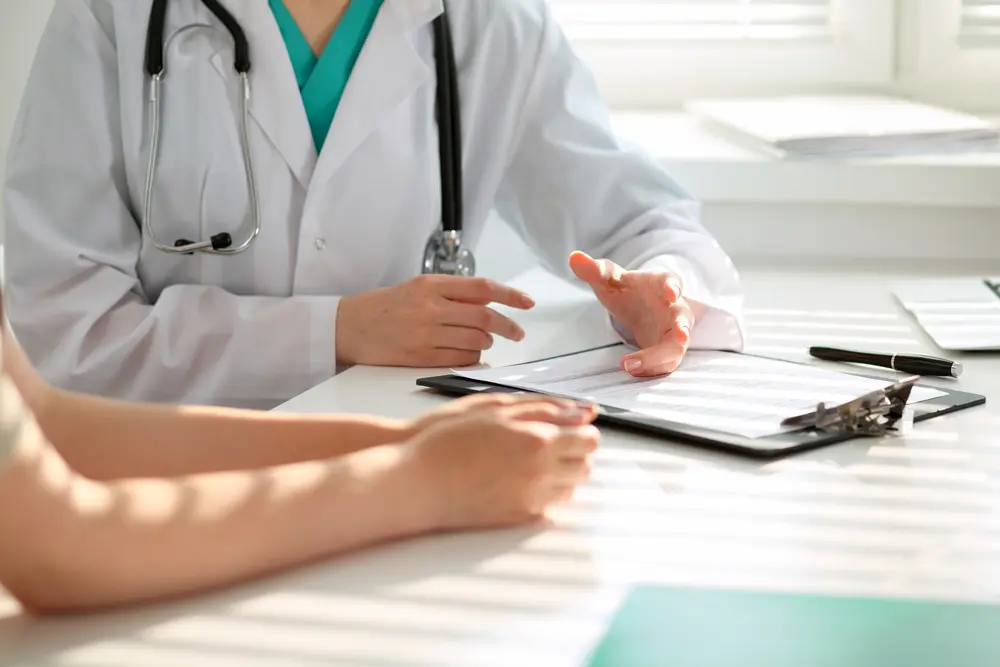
(222, 241)
(219, 243)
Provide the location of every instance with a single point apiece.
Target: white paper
(957, 313)
(847, 124)
(732, 393)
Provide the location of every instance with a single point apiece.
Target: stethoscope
(444, 252)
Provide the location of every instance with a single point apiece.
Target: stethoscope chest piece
(445, 254)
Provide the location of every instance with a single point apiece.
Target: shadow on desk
(323, 614)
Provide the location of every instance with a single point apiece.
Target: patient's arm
(105, 439)
(70, 543)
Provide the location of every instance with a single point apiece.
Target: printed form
(732, 393)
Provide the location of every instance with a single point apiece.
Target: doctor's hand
(649, 304)
(431, 321)
(500, 466)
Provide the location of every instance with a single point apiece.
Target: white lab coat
(99, 309)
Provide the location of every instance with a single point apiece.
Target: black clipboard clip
(876, 414)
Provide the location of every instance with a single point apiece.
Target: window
(661, 52)
(951, 52)
(980, 23)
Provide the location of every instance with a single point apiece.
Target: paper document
(846, 125)
(957, 313)
(732, 393)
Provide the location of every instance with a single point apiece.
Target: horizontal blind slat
(981, 22)
(694, 19)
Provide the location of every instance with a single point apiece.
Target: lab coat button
(320, 244)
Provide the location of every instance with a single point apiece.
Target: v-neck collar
(322, 80)
(276, 103)
(299, 52)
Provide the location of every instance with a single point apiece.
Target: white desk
(914, 516)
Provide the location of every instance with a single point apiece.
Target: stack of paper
(959, 314)
(845, 126)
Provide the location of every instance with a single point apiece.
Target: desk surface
(914, 516)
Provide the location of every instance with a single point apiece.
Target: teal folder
(676, 627)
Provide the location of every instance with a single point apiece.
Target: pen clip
(874, 414)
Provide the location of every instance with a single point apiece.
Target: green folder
(677, 627)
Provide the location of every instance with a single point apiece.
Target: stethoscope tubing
(448, 117)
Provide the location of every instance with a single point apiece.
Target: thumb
(595, 273)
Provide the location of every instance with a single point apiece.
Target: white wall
(21, 24)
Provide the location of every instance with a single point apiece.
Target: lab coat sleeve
(75, 300)
(572, 185)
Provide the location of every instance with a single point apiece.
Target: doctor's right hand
(501, 467)
(431, 321)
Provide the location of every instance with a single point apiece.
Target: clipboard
(881, 413)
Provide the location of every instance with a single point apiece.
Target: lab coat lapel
(388, 70)
(275, 99)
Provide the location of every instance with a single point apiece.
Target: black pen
(911, 364)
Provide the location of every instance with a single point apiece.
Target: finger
(563, 493)
(599, 274)
(547, 498)
(484, 401)
(482, 318)
(684, 323)
(571, 471)
(674, 289)
(559, 412)
(462, 338)
(670, 285)
(661, 359)
(684, 320)
(577, 442)
(664, 357)
(482, 291)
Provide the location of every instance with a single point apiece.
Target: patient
(105, 503)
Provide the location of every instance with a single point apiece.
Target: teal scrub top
(322, 80)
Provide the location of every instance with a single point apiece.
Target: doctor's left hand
(650, 305)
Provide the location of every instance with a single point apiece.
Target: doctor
(303, 151)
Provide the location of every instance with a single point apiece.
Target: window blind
(694, 20)
(981, 21)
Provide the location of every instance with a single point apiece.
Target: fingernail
(685, 333)
(527, 301)
(633, 366)
(519, 335)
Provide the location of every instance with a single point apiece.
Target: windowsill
(719, 171)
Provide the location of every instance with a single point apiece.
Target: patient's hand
(499, 465)
(559, 411)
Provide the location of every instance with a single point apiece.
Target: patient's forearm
(105, 439)
(143, 540)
